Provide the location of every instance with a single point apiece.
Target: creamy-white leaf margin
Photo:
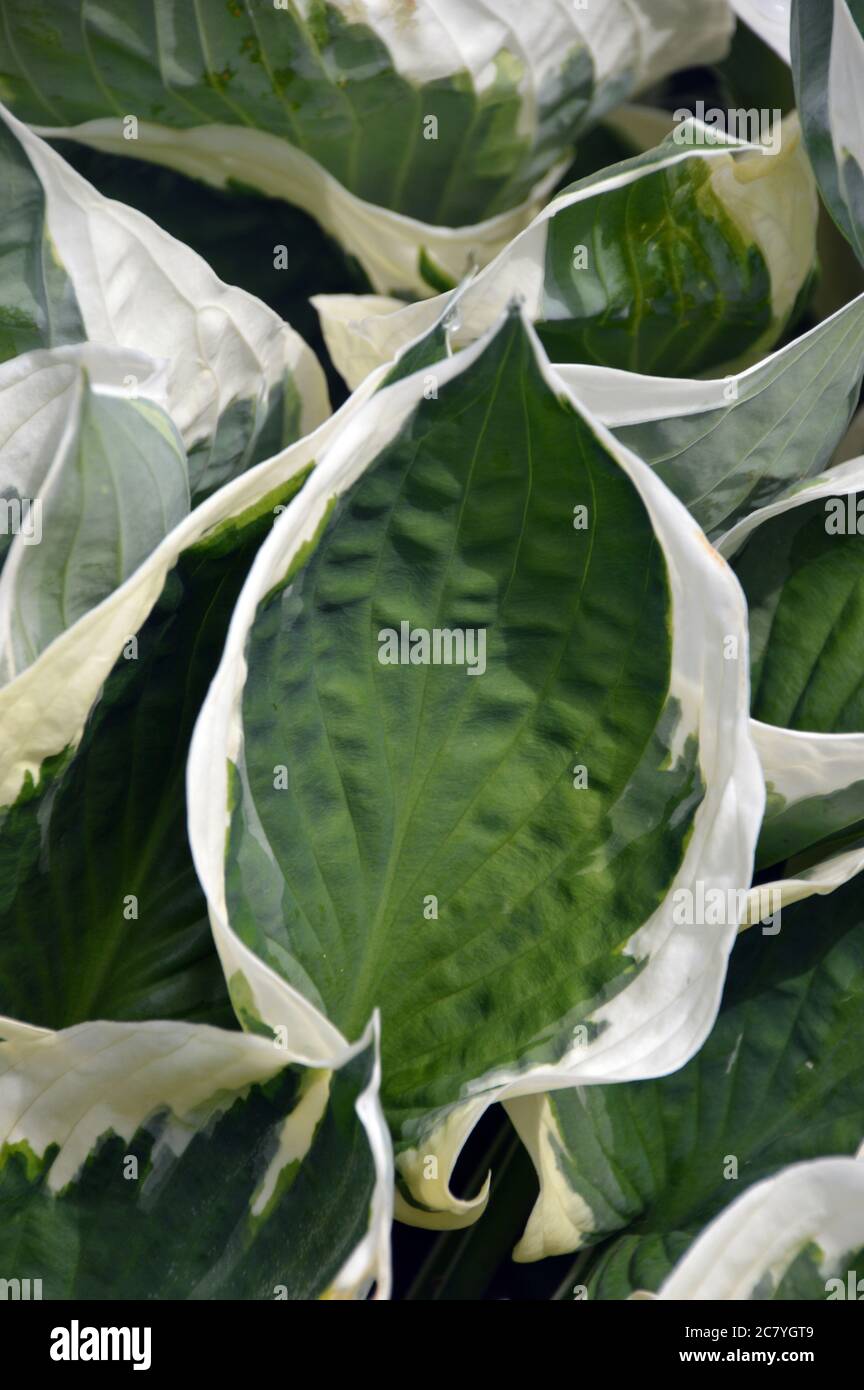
(139, 288)
(388, 245)
(799, 765)
(73, 1087)
(664, 1015)
(745, 1252)
(363, 331)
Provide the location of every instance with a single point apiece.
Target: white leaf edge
(798, 764)
(560, 1219)
(44, 709)
(769, 19)
(663, 1017)
(195, 1070)
(138, 287)
(362, 331)
(761, 1233)
(387, 244)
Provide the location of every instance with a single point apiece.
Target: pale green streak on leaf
(226, 533)
(243, 1004)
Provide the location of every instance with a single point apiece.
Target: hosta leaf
(241, 384)
(728, 447)
(828, 65)
(165, 1160)
(366, 115)
(801, 570)
(814, 819)
(38, 306)
(799, 1237)
(37, 392)
(801, 563)
(413, 836)
(670, 263)
(780, 1080)
(117, 484)
(233, 230)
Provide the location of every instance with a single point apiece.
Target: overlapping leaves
(489, 849)
(642, 1168)
(366, 116)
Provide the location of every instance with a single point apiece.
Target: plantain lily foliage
(420, 136)
(446, 811)
(669, 263)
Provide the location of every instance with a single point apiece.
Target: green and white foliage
(672, 262)
(94, 731)
(801, 563)
(769, 19)
(400, 124)
(40, 393)
(778, 1082)
(46, 700)
(116, 483)
(496, 741)
(167, 1160)
(827, 61)
(478, 900)
(797, 1237)
(732, 445)
(76, 267)
(726, 446)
